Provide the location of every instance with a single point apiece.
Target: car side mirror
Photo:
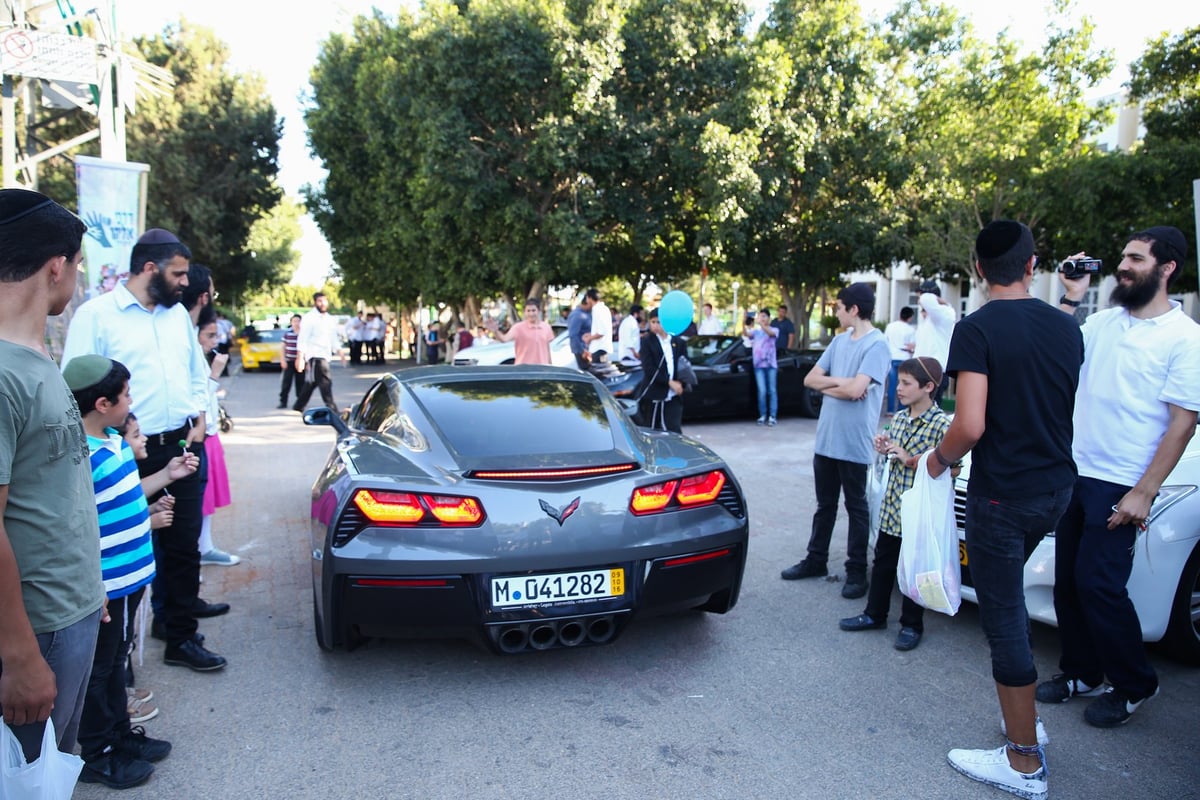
(323, 415)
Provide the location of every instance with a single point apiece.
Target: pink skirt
(216, 491)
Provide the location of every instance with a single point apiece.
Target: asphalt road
(768, 701)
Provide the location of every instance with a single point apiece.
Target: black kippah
(17, 203)
(1001, 236)
(158, 236)
(1171, 237)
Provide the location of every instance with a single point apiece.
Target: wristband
(937, 453)
(1066, 301)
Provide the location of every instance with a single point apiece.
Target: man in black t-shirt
(1017, 363)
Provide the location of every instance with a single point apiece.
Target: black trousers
(1097, 623)
(883, 581)
(663, 416)
(317, 377)
(356, 349)
(833, 477)
(285, 386)
(105, 707)
(177, 548)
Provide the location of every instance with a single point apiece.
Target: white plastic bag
(51, 777)
(928, 570)
(877, 481)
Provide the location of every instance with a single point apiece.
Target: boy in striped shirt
(114, 753)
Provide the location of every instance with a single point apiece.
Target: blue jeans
(1001, 535)
(1099, 627)
(892, 405)
(69, 654)
(768, 398)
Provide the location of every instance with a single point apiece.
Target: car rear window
(517, 416)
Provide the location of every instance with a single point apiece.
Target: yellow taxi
(261, 349)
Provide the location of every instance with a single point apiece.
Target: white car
(1165, 582)
(494, 354)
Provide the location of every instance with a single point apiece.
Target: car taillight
(407, 508)
(455, 510)
(700, 489)
(690, 492)
(648, 499)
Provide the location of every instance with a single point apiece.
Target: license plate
(962, 552)
(559, 587)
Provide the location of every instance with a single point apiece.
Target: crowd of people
(1072, 428)
(128, 412)
(1072, 425)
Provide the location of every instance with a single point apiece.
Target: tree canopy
(499, 147)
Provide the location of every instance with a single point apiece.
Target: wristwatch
(1066, 301)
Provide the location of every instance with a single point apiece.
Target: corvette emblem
(560, 515)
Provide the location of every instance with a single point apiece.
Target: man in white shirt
(629, 335)
(934, 331)
(602, 332)
(142, 324)
(374, 338)
(355, 332)
(901, 337)
(1135, 412)
(317, 343)
(710, 323)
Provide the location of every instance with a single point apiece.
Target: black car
(518, 506)
(725, 371)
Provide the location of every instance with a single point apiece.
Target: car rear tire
(810, 403)
(322, 642)
(1183, 630)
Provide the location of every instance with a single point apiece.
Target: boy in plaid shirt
(911, 434)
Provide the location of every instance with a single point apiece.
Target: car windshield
(705, 349)
(517, 416)
(273, 335)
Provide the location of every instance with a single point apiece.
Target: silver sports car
(519, 507)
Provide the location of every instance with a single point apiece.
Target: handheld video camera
(1079, 267)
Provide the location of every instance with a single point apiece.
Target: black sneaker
(136, 744)
(1113, 708)
(1062, 688)
(805, 569)
(116, 770)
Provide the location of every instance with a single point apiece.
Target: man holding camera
(1135, 411)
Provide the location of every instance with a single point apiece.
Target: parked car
(1165, 582)
(517, 506)
(620, 379)
(491, 354)
(726, 388)
(261, 348)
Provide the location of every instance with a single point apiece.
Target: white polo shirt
(1132, 369)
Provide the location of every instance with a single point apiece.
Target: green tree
(213, 151)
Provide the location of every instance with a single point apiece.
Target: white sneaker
(1042, 737)
(992, 767)
(219, 558)
(762, 420)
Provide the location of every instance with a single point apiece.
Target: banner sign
(112, 202)
(53, 56)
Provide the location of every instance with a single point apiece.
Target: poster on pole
(112, 202)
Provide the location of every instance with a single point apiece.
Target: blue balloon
(675, 312)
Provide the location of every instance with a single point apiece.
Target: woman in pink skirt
(216, 491)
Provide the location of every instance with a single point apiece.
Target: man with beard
(1139, 393)
(142, 324)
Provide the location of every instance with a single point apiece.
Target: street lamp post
(703, 251)
(736, 309)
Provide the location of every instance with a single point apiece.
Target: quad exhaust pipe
(549, 634)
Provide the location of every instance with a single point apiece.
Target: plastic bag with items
(928, 570)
